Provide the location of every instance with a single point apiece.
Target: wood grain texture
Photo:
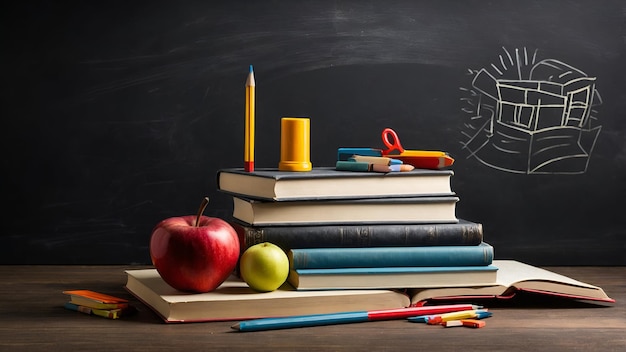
(33, 319)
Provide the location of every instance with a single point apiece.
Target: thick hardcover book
(391, 277)
(514, 277)
(372, 257)
(234, 300)
(357, 211)
(463, 233)
(328, 183)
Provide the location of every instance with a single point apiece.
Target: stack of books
(356, 241)
(361, 230)
(347, 230)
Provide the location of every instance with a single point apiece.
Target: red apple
(194, 253)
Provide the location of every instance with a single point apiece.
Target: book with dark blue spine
(392, 277)
(463, 233)
(329, 258)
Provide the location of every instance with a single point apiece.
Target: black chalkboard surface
(118, 114)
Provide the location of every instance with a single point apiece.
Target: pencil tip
(235, 327)
(251, 70)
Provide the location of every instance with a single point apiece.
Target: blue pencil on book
(381, 160)
(369, 167)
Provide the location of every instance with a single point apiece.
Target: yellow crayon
(465, 314)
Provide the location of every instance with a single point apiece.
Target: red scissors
(423, 159)
(392, 142)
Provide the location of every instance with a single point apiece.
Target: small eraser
(452, 323)
(473, 323)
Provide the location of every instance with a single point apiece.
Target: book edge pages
(182, 309)
(399, 210)
(299, 186)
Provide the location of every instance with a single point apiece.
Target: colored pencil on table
(345, 317)
(440, 318)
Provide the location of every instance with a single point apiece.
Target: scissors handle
(391, 140)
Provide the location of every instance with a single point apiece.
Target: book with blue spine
(329, 258)
(392, 277)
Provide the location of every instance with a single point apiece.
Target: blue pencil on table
(346, 317)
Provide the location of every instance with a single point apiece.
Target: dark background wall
(118, 114)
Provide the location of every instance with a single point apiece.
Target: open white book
(512, 277)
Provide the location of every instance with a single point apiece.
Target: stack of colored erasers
(100, 304)
(467, 318)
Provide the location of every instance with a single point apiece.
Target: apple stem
(203, 205)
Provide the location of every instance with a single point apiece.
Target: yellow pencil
(465, 314)
(248, 156)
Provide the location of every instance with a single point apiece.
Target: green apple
(264, 267)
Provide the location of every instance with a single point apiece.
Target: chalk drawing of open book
(531, 117)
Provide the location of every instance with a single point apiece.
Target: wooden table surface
(32, 318)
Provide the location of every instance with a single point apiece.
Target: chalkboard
(118, 114)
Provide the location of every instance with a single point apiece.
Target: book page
(514, 273)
